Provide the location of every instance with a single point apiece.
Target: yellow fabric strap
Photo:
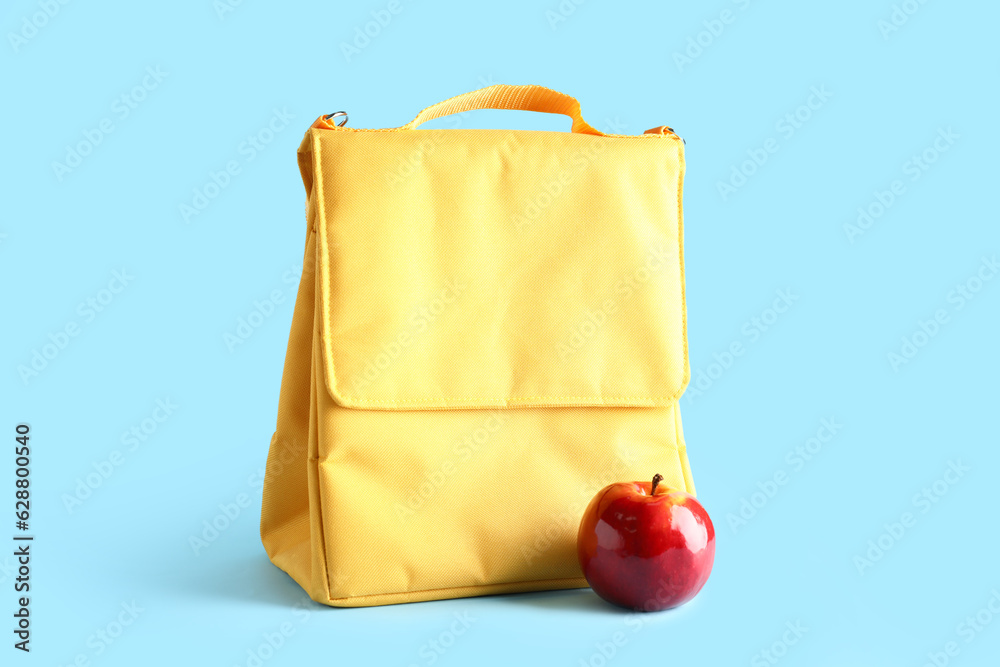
(519, 98)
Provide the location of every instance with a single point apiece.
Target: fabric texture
(490, 327)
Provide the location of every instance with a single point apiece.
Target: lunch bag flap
(497, 268)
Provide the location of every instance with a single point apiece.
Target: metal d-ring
(337, 114)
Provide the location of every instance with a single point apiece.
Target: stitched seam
(330, 376)
(448, 129)
(459, 588)
(317, 366)
(513, 399)
(681, 168)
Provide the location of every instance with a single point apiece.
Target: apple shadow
(586, 601)
(578, 600)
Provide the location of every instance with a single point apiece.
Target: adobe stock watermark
(548, 189)
(222, 8)
(914, 168)
(606, 651)
(34, 22)
(793, 633)
(87, 311)
(786, 127)
(121, 108)
(246, 152)
(263, 309)
(462, 451)
(634, 622)
(594, 319)
(102, 639)
(703, 379)
(411, 163)
(421, 319)
(552, 187)
(795, 460)
(131, 439)
(926, 330)
(562, 12)
(968, 630)
(563, 524)
(364, 34)
(433, 649)
(271, 642)
(898, 17)
(703, 39)
(923, 501)
(230, 510)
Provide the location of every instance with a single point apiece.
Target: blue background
(794, 560)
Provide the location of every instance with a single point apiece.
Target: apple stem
(657, 478)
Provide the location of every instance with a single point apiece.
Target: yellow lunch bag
(490, 327)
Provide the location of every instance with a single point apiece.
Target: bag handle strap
(518, 98)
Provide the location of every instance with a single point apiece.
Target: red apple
(644, 546)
